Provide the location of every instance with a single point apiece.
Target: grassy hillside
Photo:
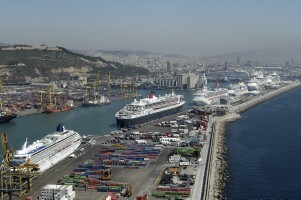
(57, 65)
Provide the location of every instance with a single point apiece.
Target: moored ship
(50, 150)
(237, 89)
(208, 97)
(6, 117)
(148, 109)
(54, 109)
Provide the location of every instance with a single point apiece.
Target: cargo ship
(50, 150)
(54, 109)
(148, 109)
(6, 117)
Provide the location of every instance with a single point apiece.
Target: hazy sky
(193, 28)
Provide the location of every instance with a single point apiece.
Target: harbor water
(264, 150)
(85, 120)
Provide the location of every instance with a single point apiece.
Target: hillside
(48, 65)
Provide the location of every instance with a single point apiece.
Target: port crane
(95, 87)
(107, 85)
(15, 176)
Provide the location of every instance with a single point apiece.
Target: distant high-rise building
(237, 61)
(168, 66)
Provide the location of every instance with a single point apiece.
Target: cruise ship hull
(121, 123)
(59, 156)
(202, 102)
(88, 104)
(50, 150)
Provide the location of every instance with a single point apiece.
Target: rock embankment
(219, 164)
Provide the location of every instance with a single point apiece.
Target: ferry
(148, 109)
(50, 150)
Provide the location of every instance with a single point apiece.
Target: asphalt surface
(142, 180)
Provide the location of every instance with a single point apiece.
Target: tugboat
(6, 117)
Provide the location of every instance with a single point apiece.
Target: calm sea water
(264, 151)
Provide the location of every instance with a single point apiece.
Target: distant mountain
(4, 44)
(266, 55)
(140, 53)
(57, 64)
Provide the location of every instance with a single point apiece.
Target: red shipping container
(92, 187)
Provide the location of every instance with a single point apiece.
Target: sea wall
(216, 170)
(216, 180)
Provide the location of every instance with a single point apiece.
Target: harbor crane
(95, 89)
(16, 175)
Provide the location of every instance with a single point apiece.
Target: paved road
(199, 180)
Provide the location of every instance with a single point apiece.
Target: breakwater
(216, 170)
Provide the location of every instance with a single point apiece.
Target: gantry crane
(51, 95)
(16, 176)
(95, 89)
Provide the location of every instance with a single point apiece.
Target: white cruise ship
(208, 97)
(148, 109)
(237, 89)
(50, 150)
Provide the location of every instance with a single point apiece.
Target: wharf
(28, 112)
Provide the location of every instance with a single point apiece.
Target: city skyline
(190, 28)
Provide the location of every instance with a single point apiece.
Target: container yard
(129, 168)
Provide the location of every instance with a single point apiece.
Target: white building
(57, 192)
(174, 158)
